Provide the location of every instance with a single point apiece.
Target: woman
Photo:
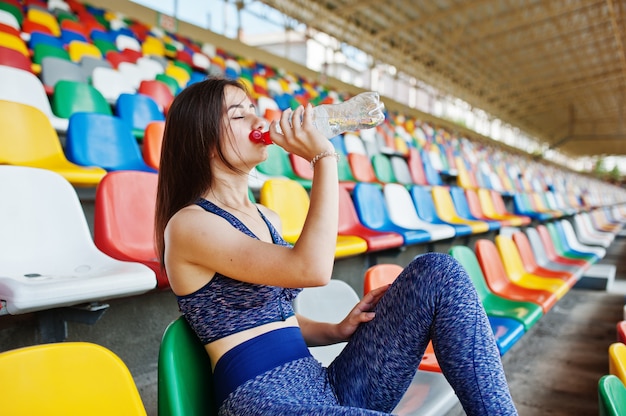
(235, 278)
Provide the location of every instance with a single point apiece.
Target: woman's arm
(324, 333)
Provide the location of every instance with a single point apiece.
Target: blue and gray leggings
(433, 298)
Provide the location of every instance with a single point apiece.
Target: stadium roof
(555, 69)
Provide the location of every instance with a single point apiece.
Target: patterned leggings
(433, 298)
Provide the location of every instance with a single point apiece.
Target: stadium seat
(331, 303)
(416, 167)
(403, 213)
(373, 213)
(44, 18)
(77, 50)
(500, 284)
(138, 110)
(566, 230)
(423, 201)
(617, 360)
(494, 208)
(530, 262)
(26, 88)
(185, 382)
(54, 69)
(111, 83)
(515, 271)
(349, 224)
(473, 204)
(447, 212)
(611, 396)
(546, 255)
(152, 142)
(361, 167)
(69, 378)
(48, 258)
(562, 246)
(15, 59)
(291, 201)
(14, 42)
(71, 97)
(381, 164)
(528, 313)
(461, 205)
(28, 139)
(103, 140)
(589, 235)
(124, 219)
(159, 92)
(278, 164)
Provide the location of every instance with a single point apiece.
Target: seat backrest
(361, 167)
(70, 97)
(26, 135)
(152, 143)
(444, 204)
(525, 250)
(510, 257)
(402, 211)
(423, 200)
(330, 303)
(102, 140)
(185, 383)
(382, 168)
(380, 275)
(110, 83)
(78, 49)
(35, 236)
(468, 260)
(54, 69)
(11, 57)
(416, 167)
(23, 87)
(460, 202)
(277, 163)
(124, 215)
(401, 170)
(617, 360)
(611, 396)
(433, 177)
(370, 205)
(159, 92)
(491, 265)
(290, 201)
(138, 110)
(67, 378)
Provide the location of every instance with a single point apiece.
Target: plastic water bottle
(363, 111)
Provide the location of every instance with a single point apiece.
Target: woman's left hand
(362, 312)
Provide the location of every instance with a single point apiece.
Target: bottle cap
(260, 137)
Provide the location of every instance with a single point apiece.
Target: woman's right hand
(302, 139)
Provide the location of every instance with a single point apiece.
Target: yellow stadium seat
(44, 18)
(28, 139)
(77, 50)
(152, 46)
(291, 201)
(446, 211)
(179, 74)
(617, 360)
(69, 378)
(13, 42)
(514, 267)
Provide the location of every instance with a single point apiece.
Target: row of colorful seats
(612, 386)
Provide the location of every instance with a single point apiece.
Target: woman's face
(239, 120)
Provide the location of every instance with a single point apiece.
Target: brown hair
(193, 128)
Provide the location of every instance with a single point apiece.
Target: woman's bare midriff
(217, 349)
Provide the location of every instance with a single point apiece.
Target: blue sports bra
(225, 306)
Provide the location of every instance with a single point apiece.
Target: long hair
(193, 130)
